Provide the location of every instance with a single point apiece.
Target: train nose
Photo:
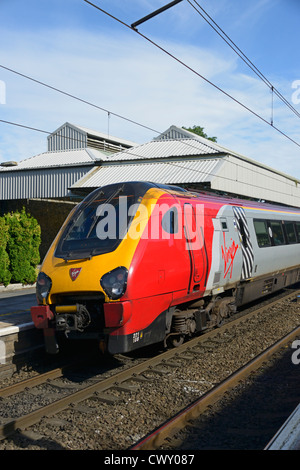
(116, 314)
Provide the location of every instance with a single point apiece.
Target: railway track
(110, 391)
(178, 422)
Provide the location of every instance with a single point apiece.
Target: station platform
(17, 332)
(288, 436)
(15, 304)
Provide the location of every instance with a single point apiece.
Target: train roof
(141, 187)
(229, 200)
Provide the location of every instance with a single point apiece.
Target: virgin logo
(228, 255)
(74, 273)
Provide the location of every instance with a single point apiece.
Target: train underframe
(210, 311)
(88, 317)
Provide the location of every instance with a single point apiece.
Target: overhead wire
(76, 98)
(172, 56)
(65, 137)
(115, 114)
(173, 164)
(194, 71)
(24, 126)
(240, 53)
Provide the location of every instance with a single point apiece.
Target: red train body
(180, 263)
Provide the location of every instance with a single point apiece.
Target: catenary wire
(24, 126)
(178, 165)
(76, 98)
(125, 118)
(195, 72)
(239, 52)
(68, 94)
(65, 137)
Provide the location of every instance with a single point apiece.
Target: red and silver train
(138, 263)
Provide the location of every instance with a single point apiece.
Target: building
(79, 160)
(72, 152)
(183, 158)
(70, 137)
(42, 183)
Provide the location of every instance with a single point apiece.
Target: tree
(200, 131)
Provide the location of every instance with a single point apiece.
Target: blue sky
(70, 45)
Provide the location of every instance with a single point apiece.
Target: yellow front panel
(93, 269)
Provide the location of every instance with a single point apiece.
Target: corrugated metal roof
(67, 137)
(70, 136)
(175, 132)
(41, 183)
(166, 149)
(107, 137)
(58, 159)
(173, 172)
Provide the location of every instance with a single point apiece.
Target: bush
(24, 238)
(5, 275)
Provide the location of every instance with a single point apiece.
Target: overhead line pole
(155, 13)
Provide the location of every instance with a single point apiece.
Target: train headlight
(114, 283)
(43, 286)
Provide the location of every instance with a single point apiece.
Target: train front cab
(118, 291)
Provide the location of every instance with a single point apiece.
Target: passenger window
(170, 221)
(297, 226)
(290, 232)
(277, 233)
(262, 233)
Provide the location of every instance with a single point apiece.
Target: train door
(246, 245)
(195, 244)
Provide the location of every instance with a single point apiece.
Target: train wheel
(217, 320)
(175, 340)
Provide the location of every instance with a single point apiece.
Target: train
(139, 263)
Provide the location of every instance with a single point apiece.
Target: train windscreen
(100, 221)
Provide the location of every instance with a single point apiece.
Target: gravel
(101, 426)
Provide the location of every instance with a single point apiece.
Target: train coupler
(72, 318)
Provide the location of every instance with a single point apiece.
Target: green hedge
(20, 238)
(5, 275)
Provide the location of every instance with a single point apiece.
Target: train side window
(277, 233)
(170, 221)
(290, 232)
(224, 225)
(262, 233)
(297, 227)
